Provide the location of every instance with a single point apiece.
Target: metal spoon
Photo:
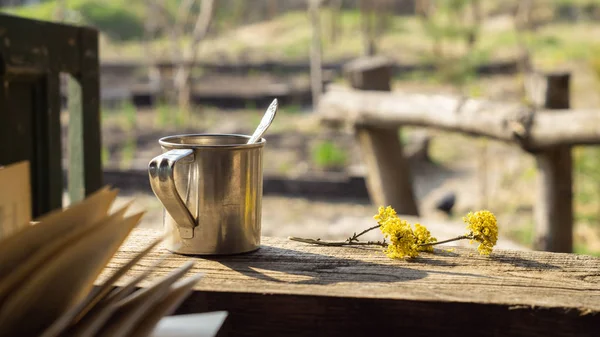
(265, 122)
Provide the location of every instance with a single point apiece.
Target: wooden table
(288, 288)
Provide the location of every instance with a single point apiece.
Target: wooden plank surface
(290, 288)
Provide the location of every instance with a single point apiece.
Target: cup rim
(167, 141)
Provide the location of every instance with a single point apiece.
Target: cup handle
(161, 170)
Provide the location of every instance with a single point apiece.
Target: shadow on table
(518, 261)
(291, 266)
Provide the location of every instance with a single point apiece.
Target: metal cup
(211, 188)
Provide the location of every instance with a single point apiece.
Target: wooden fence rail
(547, 132)
(507, 122)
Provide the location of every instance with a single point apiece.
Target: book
(49, 268)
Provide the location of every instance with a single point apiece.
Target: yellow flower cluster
(404, 241)
(424, 236)
(385, 213)
(483, 229)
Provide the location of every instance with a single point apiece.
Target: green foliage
(128, 153)
(327, 155)
(587, 184)
(167, 115)
(594, 61)
(292, 108)
(163, 115)
(130, 113)
(297, 50)
(105, 155)
(522, 234)
(42, 11)
(119, 19)
(181, 117)
(580, 248)
(404, 135)
(448, 21)
(116, 19)
(453, 22)
(285, 167)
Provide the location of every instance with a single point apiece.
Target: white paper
(192, 325)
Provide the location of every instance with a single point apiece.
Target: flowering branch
(462, 237)
(406, 242)
(355, 236)
(339, 243)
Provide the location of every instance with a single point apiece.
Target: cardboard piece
(15, 198)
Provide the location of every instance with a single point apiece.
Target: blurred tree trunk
(425, 10)
(177, 31)
(367, 26)
(61, 10)
(383, 13)
(273, 8)
(150, 28)
(239, 12)
(183, 76)
(179, 92)
(315, 51)
(523, 25)
(475, 28)
(335, 7)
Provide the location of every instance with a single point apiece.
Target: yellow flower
(423, 236)
(384, 214)
(403, 242)
(483, 228)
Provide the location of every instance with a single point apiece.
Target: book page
(191, 325)
(15, 198)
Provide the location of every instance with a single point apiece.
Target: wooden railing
(547, 132)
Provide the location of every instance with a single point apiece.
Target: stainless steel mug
(211, 188)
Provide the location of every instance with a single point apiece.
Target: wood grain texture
(290, 288)
(504, 121)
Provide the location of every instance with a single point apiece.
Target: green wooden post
(32, 56)
(48, 141)
(85, 159)
(90, 110)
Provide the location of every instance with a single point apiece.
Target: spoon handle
(265, 122)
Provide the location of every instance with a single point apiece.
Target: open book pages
(49, 269)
